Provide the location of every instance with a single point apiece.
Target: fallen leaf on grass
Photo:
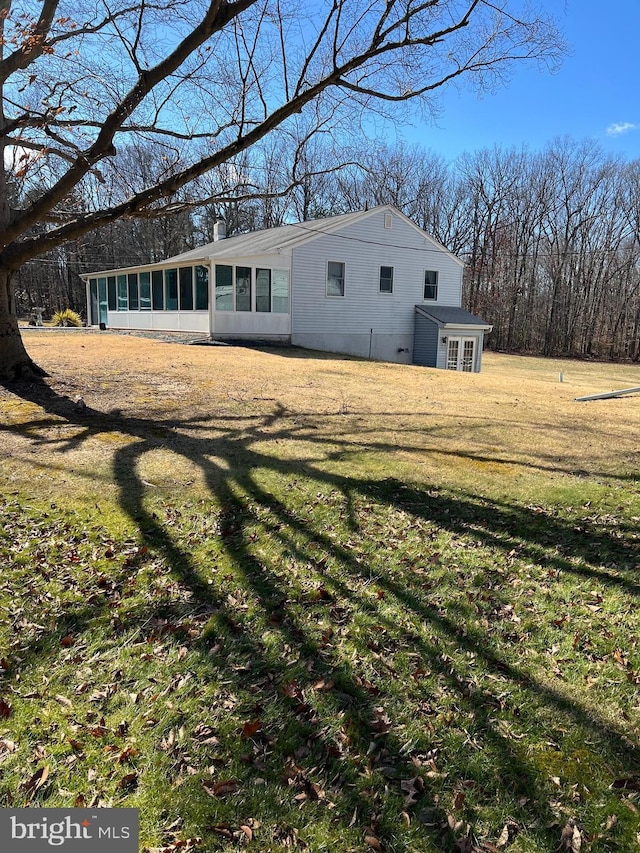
(413, 788)
(631, 783)
(366, 685)
(324, 684)
(250, 728)
(7, 746)
(323, 594)
(225, 830)
(381, 722)
(183, 845)
(458, 799)
(570, 838)
(5, 710)
(503, 840)
(129, 780)
(126, 754)
(121, 729)
(420, 672)
(222, 788)
(373, 842)
(206, 735)
(38, 779)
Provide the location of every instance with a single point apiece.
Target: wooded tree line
(551, 239)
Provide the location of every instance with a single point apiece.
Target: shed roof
(445, 315)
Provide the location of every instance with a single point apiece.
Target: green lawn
(277, 628)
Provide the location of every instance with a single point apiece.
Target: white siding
(364, 318)
(251, 324)
(166, 321)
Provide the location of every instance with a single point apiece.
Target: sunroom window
(263, 290)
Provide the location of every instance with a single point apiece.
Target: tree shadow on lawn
(343, 616)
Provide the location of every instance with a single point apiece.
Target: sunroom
(249, 297)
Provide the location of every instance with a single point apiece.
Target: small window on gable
(430, 284)
(386, 279)
(388, 220)
(335, 278)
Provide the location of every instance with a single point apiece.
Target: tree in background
(202, 83)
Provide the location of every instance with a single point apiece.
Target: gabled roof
(290, 236)
(445, 316)
(270, 239)
(284, 237)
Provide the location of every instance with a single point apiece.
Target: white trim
(380, 268)
(344, 280)
(466, 327)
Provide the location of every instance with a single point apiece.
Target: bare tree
(206, 80)
(552, 248)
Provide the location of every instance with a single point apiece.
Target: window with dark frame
(386, 279)
(430, 284)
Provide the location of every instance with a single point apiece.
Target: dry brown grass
(352, 554)
(512, 423)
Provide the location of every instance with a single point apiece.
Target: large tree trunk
(14, 360)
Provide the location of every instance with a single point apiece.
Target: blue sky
(595, 94)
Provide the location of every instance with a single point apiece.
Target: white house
(369, 284)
